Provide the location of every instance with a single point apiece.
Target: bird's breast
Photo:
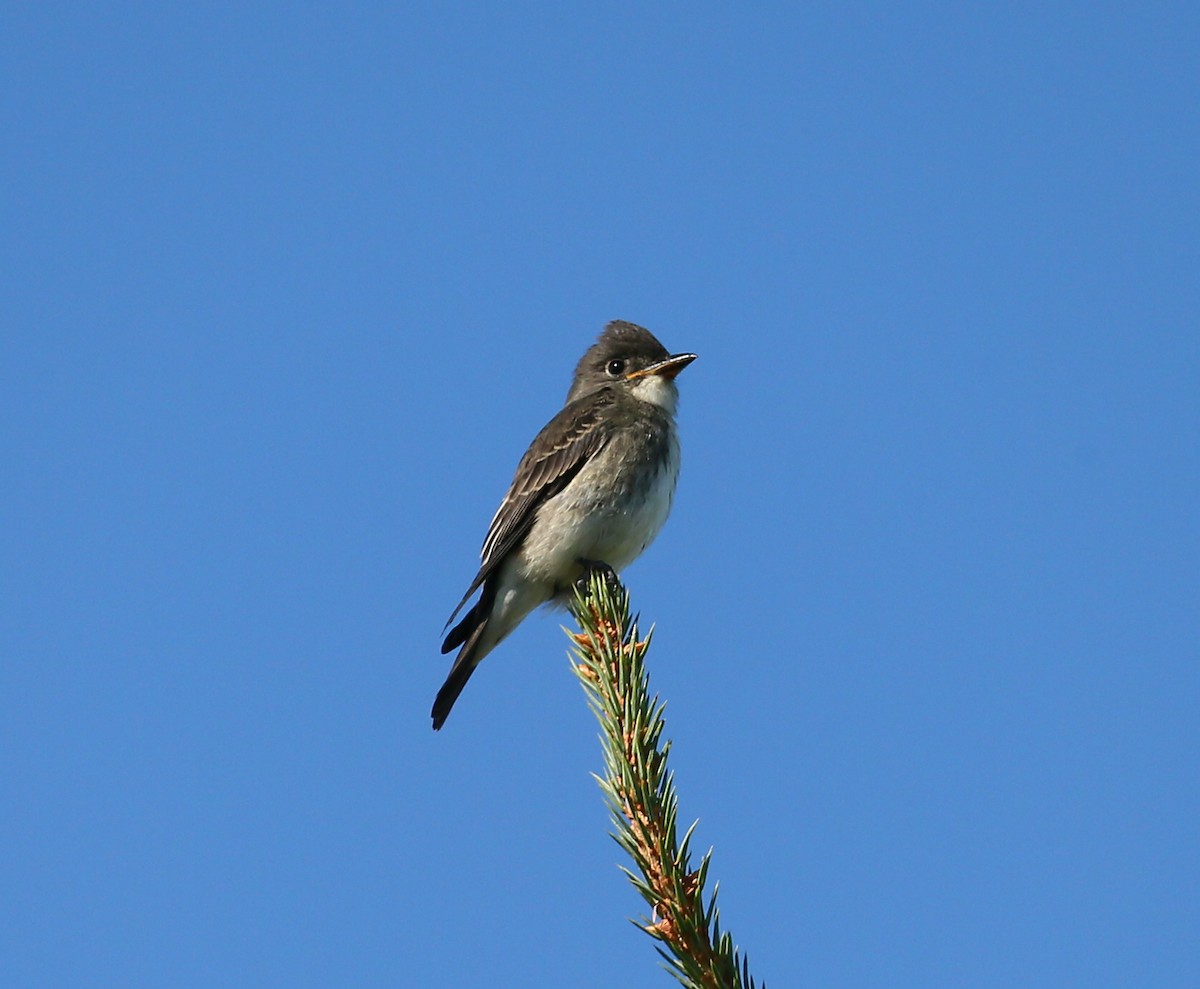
(610, 511)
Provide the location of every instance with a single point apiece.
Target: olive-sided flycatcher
(594, 487)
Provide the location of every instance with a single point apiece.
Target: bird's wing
(561, 449)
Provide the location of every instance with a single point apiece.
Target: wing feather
(557, 454)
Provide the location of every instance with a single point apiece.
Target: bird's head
(629, 356)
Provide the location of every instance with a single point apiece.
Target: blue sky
(287, 289)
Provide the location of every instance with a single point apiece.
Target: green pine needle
(609, 659)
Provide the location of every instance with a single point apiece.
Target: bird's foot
(596, 566)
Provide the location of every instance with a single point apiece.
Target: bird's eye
(616, 367)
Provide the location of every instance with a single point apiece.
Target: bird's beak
(664, 369)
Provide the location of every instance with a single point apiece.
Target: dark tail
(467, 633)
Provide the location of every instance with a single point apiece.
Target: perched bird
(594, 488)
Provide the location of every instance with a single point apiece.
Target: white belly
(585, 522)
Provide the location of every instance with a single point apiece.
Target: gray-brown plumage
(595, 485)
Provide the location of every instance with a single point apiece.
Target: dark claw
(596, 566)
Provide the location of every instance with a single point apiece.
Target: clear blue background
(286, 290)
